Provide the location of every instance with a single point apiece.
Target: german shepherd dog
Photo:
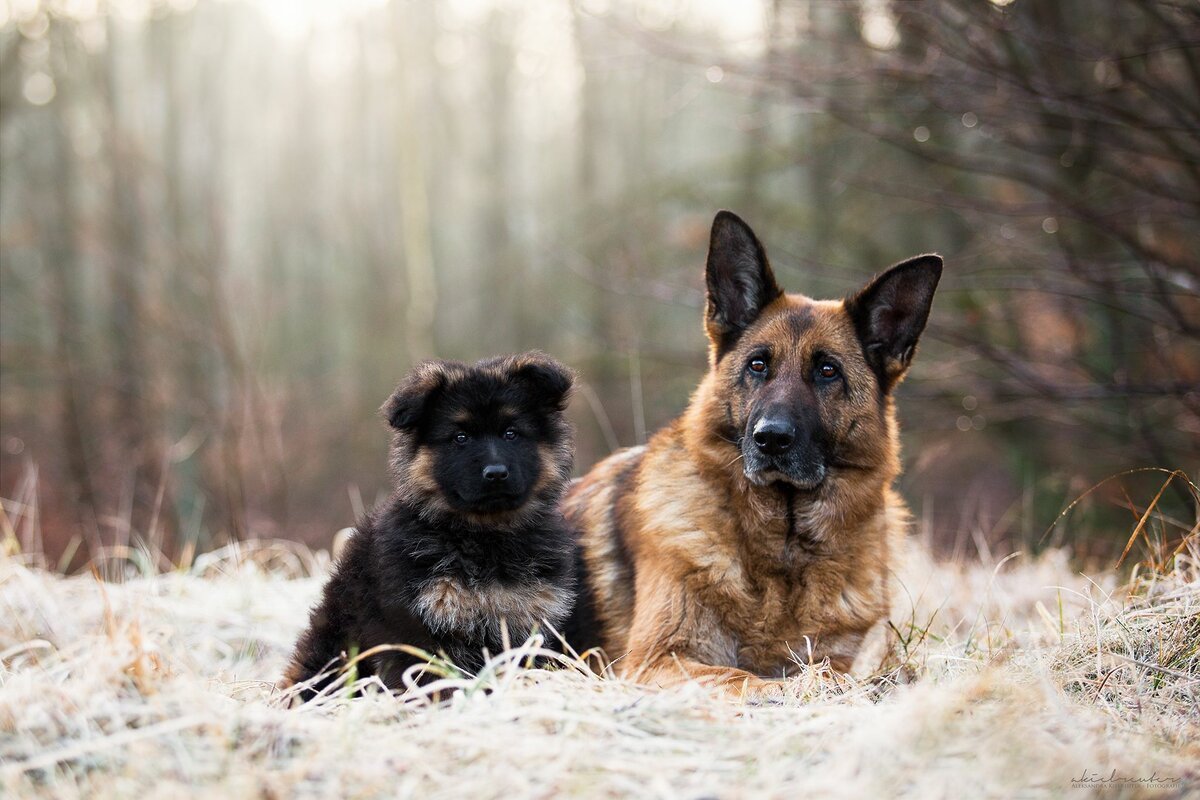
(755, 531)
(471, 545)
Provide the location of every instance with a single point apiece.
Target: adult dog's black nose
(495, 472)
(774, 436)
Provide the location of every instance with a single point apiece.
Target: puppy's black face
(486, 441)
(484, 436)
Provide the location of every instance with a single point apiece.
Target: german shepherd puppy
(471, 543)
(755, 531)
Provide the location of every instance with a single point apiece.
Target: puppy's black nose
(495, 472)
(774, 436)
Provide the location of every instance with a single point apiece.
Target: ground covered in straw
(1015, 679)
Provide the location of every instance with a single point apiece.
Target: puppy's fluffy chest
(475, 585)
(450, 604)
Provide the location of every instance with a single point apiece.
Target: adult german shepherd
(756, 530)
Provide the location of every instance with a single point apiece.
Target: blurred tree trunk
(193, 367)
(756, 144)
(601, 230)
(58, 223)
(820, 135)
(138, 422)
(10, 79)
(227, 379)
(504, 277)
(413, 25)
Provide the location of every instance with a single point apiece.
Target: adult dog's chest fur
(811, 606)
(778, 588)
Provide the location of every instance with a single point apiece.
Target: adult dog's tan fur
(698, 571)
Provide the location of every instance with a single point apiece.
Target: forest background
(227, 228)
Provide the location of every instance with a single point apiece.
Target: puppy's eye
(758, 366)
(461, 437)
(828, 372)
(510, 434)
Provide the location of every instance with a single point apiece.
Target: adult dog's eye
(758, 366)
(510, 434)
(828, 372)
(461, 437)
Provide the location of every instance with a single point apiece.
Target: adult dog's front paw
(761, 692)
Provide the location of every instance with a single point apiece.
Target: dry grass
(999, 680)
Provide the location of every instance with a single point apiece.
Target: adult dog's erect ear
(890, 313)
(405, 408)
(549, 380)
(740, 281)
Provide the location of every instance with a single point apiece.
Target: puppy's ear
(405, 409)
(549, 381)
(890, 313)
(739, 278)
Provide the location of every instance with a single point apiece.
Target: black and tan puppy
(471, 542)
